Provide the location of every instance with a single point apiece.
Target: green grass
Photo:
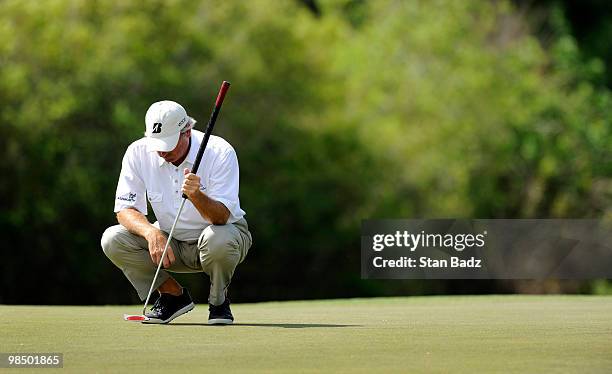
(522, 334)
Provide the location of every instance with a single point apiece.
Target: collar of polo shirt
(191, 156)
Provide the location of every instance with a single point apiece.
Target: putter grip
(224, 87)
(209, 127)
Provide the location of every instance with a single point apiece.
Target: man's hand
(212, 210)
(157, 242)
(191, 184)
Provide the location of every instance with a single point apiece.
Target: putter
(209, 127)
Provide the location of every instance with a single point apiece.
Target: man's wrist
(198, 195)
(150, 232)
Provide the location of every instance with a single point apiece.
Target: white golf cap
(164, 121)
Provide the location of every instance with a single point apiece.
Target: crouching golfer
(211, 235)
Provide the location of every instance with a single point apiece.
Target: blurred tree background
(340, 110)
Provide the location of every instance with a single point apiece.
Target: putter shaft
(161, 260)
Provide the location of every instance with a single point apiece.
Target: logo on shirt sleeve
(129, 197)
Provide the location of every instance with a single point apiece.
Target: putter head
(135, 317)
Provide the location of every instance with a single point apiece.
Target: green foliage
(477, 118)
(602, 287)
(374, 109)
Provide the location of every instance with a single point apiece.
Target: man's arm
(212, 210)
(136, 223)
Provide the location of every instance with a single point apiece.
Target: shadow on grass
(281, 325)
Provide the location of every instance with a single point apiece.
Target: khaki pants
(217, 252)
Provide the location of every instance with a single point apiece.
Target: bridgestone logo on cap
(157, 127)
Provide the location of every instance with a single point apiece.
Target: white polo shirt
(144, 172)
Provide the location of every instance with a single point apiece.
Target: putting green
(417, 334)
